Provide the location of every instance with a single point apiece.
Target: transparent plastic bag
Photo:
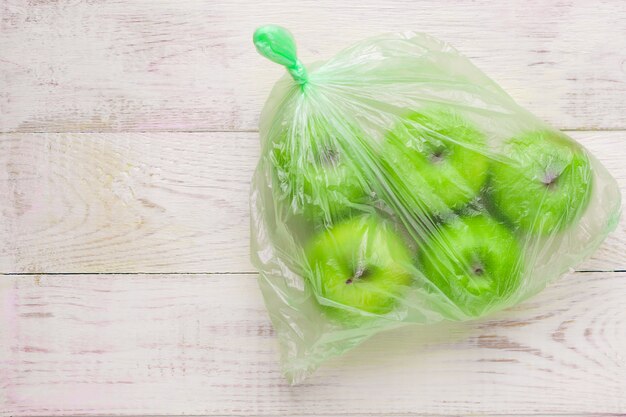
(398, 184)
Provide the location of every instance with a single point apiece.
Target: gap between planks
(253, 273)
(147, 132)
(381, 415)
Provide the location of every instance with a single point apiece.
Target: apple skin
(359, 265)
(439, 158)
(543, 183)
(476, 262)
(315, 177)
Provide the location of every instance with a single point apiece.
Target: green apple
(439, 158)
(315, 175)
(542, 183)
(476, 262)
(359, 265)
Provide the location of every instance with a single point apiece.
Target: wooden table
(129, 136)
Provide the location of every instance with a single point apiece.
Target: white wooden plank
(202, 344)
(166, 202)
(190, 65)
(125, 202)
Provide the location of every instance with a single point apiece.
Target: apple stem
(278, 45)
(550, 178)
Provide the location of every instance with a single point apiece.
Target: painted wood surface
(203, 344)
(128, 146)
(166, 202)
(117, 65)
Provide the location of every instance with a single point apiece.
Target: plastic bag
(398, 184)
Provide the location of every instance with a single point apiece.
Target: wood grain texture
(202, 344)
(126, 202)
(96, 65)
(177, 202)
(167, 202)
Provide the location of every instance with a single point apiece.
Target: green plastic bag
(398, 184)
